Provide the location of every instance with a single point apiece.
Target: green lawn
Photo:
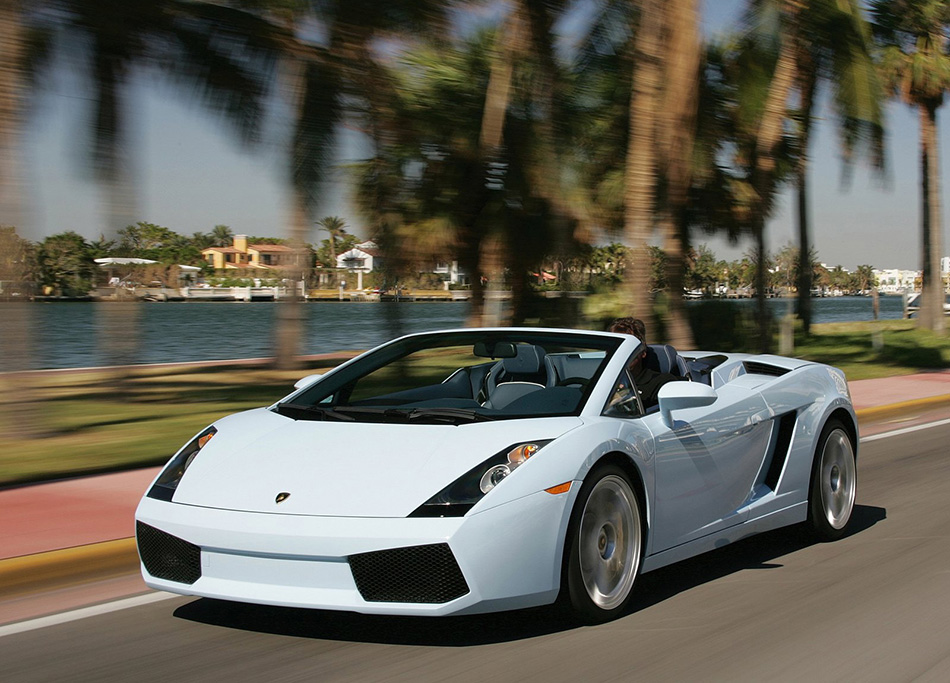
(851, 347)
(88, 421)
(91, 421)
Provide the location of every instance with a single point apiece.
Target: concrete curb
(59, 568)
(902, 408)
(97, 561)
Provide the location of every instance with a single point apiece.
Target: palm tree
(524, 50)
(21, 416)
(190, 43)
(641, 171)
(744, 96)
(431, 121)
(832, 43)
(916, 67)
(199, 52)
(676, 142)
(20, 54)
(490, 178)
(13, 87)
(764, 77)
(321, 83)
(764, 177)
(221, 236)
(651, 52)
(335, 226)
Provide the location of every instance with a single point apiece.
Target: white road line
(85, 612)
(905, 430)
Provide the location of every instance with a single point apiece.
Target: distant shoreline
(456, 296)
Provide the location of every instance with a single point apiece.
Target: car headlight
(461, 495)
(164, 487)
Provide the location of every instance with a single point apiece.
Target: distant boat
(913, 304)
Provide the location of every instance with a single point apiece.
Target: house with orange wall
(243, 255)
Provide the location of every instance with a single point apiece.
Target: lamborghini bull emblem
(281, 497)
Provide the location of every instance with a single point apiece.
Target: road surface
(874, 606)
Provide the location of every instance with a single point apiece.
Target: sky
(191, 175)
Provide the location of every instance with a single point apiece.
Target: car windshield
(460, 377)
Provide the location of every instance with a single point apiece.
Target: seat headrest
(663, 358)
(526, 362)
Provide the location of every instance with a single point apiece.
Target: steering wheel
(583, 381)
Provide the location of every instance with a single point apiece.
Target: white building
(895, 281)
(945, 264)
(450, 273)
(360, 258)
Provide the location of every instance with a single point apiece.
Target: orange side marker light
(560, 488)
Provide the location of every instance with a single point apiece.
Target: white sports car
(488, 469)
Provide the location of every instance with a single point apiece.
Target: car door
(706, 464)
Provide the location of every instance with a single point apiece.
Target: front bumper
(508, 556)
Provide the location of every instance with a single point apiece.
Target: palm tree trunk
(931, 314)
(763, 170)
(332, 247)
(804, 247)
(290, 313)
(12, 88)
(21, 416)
(288, 327)
(761, 285)
(120, 321)
(807, 83)
(641, 172)
(490, 142)
(682, 80)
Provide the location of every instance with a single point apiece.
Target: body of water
(72, 335)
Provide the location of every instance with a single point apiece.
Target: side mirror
(306, 381)
(679, 395)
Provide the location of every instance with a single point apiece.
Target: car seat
(664, 358)
(527, 366)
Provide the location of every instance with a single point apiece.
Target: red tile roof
(269, 247)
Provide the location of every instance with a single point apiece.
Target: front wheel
(605, 546)
(833, 483)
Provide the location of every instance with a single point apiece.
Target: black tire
(834, 483)
(604, 547)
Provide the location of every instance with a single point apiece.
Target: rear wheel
(605, 546)
(833, 483)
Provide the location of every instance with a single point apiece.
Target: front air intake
(167, 557)
(419, 574)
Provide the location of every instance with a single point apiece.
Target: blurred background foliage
(542, 144)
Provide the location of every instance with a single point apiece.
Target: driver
(647, 381)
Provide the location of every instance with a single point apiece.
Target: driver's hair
(632, 326)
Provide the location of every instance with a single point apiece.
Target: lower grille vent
(166, 556)
(418, 574)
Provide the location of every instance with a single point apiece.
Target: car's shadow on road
(756, 552)
(654, 587)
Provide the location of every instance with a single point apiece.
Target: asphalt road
(873, 606)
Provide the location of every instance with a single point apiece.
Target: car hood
(341, 468)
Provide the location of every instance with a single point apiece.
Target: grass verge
(93, 421)
(874, 349)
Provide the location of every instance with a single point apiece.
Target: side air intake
(756, 368)
(786, 429)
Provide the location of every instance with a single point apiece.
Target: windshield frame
(325, 392)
